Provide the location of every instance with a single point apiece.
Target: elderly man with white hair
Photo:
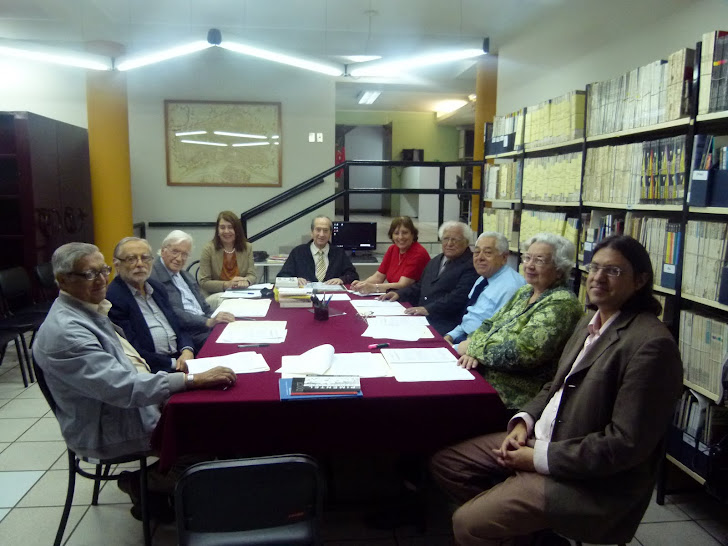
(441, 294)
(496, 285)
(192, 311)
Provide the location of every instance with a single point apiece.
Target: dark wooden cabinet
(45, 188)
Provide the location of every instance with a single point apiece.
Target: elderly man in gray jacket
(106, 407)
(190, 307)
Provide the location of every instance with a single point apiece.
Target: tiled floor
(33, 483)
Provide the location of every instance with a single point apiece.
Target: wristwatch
(190, 380)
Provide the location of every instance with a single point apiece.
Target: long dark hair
(639, 259)
(234, 219)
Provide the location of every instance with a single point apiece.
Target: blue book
(284, 388)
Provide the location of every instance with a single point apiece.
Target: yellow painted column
(108, 141)
(486, 90)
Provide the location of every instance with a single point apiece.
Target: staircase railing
(346, 191)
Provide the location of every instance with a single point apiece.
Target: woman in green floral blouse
(519, 346)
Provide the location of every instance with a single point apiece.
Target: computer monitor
(355, 236)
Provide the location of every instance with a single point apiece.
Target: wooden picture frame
(216, 143)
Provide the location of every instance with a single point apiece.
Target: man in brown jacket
(580, 458)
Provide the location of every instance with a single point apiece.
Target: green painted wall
(409, 130)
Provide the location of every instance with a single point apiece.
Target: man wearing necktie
(496, 285)
(442, 292)
(317, 260)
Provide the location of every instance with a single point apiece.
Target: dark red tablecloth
(249, 419)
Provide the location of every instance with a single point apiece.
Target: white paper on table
(242, 362)
(377, 308)
(339, 297)
(261, 331)
(362, 295)
(314, 361)
(323, 287)
(244, 308)
(268, 285)
(354, 364)
(420, 364)
(246, 294)
(293, 292)
(404, 331)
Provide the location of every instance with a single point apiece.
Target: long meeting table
(249, 419)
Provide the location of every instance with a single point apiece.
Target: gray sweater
(105, 408)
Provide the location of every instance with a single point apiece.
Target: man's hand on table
(389, 296)
(418, 311)
(223, 316)
(219, 376)
(185, 355)
(335, 280)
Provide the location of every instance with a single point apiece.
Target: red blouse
(410, 264)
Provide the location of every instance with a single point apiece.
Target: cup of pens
(320, 307)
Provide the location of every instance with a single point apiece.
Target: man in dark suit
(317, 260)
(141, 308)
(441, 294)
(192, 311)
(581, 458)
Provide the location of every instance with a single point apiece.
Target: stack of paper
(322, 360)
(405, 328)
(437, 364)
(378, 308)
(261, 331)
(244, 308)
(243, 362)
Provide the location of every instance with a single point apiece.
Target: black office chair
(17, 294)
(6, 336)
(46, 281)
(194, 269)
(103, 469)
(266, 501)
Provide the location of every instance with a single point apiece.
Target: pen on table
(254, 345)
(378, 345)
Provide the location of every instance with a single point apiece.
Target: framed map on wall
(223, 143)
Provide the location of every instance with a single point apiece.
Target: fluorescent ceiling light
(179, 51)
(78, 59)
(203, 142)
(190, 133)
(241, 135)
(239, 144)
(368, 97)
(362, 58)
(403, 65)
(329, 70)
(447, 106)
(275, 137)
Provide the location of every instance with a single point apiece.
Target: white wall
(608, 39)
(307, 105)
(365, 142)
(55, 92)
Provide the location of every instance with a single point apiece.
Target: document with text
(259, 331)
(322, 360)
(242, 362)
(420, 364)
(244, 307)
(403, 328)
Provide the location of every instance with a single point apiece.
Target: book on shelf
(713, 82)
(560, 223)
(505, 221)
(557, 120)
(554, 178)
(703, 346)
(507, 134)
(648, 95)
(704, 258)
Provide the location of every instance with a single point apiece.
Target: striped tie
(320, 266)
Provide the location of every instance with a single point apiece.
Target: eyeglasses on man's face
(538, 261)
(175, 253)
(92, 274)
(448, 240)
(609, 270)
(133, 259)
